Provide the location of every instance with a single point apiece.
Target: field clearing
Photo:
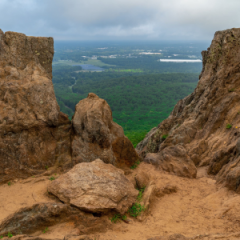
(126, 70)
(94, 62)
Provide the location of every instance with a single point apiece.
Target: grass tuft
(118, 217)
(135, 165)
(52, 178)
(228, 126)
(9, 235)
(45, 230)
(136, 209)
(140, 194)
(164, 136)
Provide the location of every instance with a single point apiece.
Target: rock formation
(206, 123)
(95, 187)
(31, 219)
(34, 134)
(97, 136)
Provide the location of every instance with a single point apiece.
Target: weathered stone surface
(25, 237)
(207, 122)
(172, 237)
(97, 136)
(33, 131)
(173, 159)
(142, 179)
(37, 217)
(95, 187)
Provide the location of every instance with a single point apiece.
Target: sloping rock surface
(95, 187)
(33, 132)
(97, 136)
(173, 159)
(207, 122)
(37, 217)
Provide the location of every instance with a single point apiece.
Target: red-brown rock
(97, 136)
(95, 187)
(33, 132)
(207, 122)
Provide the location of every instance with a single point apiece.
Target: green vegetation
(52, 178)
(125, 70)
(135, 165)
(136, 210)
(9, 235)
(45, 230)
(9, 183)
(140, 89)
(118, 217)
(135, 137)
(164, 136)
(94, 62)
(151, 64)
(138, 102)
(46, 167)
(231, 90)
(228, 126)
(140, 194)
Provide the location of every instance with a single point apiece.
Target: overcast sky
(120, 19)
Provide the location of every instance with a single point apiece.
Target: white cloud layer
(120, 19)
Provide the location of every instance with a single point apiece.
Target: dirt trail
(198, 207)
(22, 193)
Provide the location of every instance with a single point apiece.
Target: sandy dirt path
(198, 207)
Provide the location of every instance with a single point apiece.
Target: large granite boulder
(33, 132)
(95, 187)
(97, 136)
(206, 123)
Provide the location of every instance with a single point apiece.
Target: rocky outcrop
(34, 134)
(25, 237)
(97, 136)
(173, 159)
(172, 237)
(207, 122)
(39, 216)
(95, 187)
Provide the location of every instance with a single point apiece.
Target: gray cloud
(120, 19)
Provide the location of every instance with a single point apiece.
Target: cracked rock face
(33, 132)
(95, 187)
(97, 136)
(207, 122)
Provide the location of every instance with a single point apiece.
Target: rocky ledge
(204, 128)
(34, 134)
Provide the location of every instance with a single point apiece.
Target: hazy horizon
(120, 19)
